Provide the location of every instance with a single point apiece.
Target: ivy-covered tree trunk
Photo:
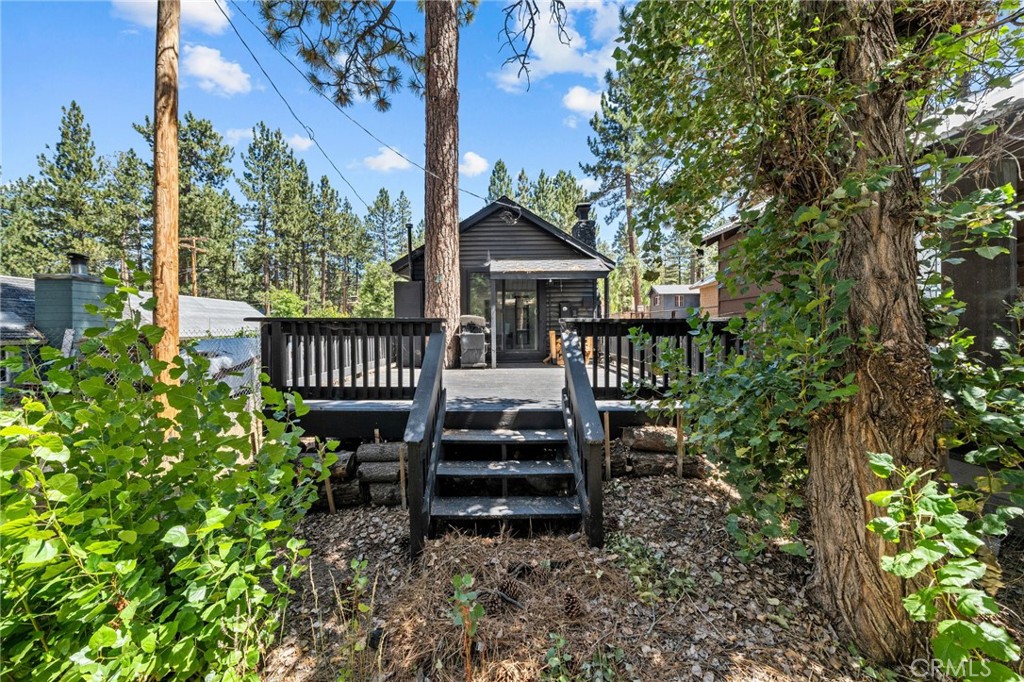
(441, 288)
(897, 408)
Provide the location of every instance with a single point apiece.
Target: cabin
(726, 301)
(521, 274)
(672, 300)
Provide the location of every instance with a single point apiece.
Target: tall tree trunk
(897, 409)
(442, 282)
(631, 239)
(165, 182)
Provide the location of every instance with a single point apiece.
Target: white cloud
(589, 184)
(549, 55)
(201, 14)
(570, 122)
(214, 73)
(233, 136)
(386, 160)
(582, 100)
(300, 143)
(473, 164)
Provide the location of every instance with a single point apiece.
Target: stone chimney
(61, 300)
(585, 228)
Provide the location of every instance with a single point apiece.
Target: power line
(342, 110)
(309, 130)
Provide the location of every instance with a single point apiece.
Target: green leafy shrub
(938, 550)
(466, 613)
(608, 663)
(134, 545)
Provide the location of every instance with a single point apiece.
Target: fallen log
(379, 452)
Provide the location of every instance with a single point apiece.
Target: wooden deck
(476, 399)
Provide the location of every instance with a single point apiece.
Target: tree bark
(631, 239)
(442, 282)
(165, 182)
(897, 408)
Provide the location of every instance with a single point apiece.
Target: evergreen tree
(69, 191)
(524, 189)
(207, 209)
(384, 226)
(129, 211)
(25, 249)
(501, 182)
(622, 165)
(264, 182)
(403, 211)
(567, 193)
(542, 196)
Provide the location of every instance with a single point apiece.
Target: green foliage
(136, 545)
(607, 664)
(377, 292)
(356, 617)
(653, 577)
(285, 303)
(938, 552)
(466, 614)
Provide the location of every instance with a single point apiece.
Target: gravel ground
(735, 622)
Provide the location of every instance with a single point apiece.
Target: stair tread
(504, 436)
(506, 469)
(505, 507)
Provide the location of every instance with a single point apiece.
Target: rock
(345, 467)
(379, 452)
(384, 494)
(378, 472)
(650, 438)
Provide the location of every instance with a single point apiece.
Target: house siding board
(493, 238)
(575, 293)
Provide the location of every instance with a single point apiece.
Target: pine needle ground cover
(666, 599)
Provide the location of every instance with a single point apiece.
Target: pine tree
(524, 189)
(377, 292)
(501, 182)
(542, 196)
(567, 193)
(24, 248)
(385, 227)
(622, 165)
(129, 213)
(70, 186)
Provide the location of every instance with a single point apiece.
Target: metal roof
(547, 268)
(673, 289)
(200, 317)
(18, 310)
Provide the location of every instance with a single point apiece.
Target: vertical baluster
(399, 355)
(353, 360)
(629, 345)
(409, 329)
(293, 352)
(424, 333)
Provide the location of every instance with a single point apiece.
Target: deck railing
(423, 434)
(585, 436)
(338, 358)
(621, 367)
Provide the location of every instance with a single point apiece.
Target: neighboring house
(520, 273)
(729, 303)
(708, 292)
(50, 310)
(672, 300)
(17, 314)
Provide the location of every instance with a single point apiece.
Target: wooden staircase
(492, 468)
(503, 475)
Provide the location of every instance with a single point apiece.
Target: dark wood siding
(493, 238)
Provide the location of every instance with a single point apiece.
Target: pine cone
(573, 605)
(511, 588)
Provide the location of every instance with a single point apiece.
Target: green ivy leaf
(106, 636)
(990, 252)
(38, 552)
(236, 588)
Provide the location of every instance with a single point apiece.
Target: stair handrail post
(421, 437)
(588, 433)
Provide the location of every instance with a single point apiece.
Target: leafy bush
(136, 545)
(939, 551)
(651, 574)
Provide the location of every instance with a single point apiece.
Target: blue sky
(101, 54)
